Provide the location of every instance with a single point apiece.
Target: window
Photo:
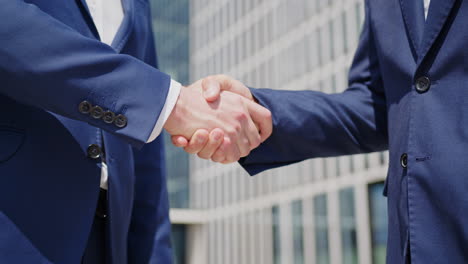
(318, 34)
(345, 32)
(321, 230)
(331, 32)
(298, 232)
(174, 34)
(179, 238)
(276, 235)
(359, 16)
(378, 217)
(348, 227)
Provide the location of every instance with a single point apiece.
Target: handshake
(217, 118)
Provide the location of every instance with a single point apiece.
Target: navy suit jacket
(388, 105)
(51, 59)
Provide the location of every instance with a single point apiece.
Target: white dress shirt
(107, 17)
(426, 7)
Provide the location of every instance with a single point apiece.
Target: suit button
(423, 84)
(404, 160)
(97, 112)
(108, 117)
(94, 151)
(120, 121)
(85, 107)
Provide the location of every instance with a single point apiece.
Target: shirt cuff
(171, 100)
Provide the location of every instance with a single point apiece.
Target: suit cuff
(171, 100)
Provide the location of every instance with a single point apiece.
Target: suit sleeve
(46, 64)
(310, 124)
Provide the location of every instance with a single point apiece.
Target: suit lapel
(84, 5)
(439, 11)
(413, 16)
(88, 18)
(126, 27)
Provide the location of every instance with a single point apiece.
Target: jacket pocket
(11, 140)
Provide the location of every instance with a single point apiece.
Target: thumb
(211, 89)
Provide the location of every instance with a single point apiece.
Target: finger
(262, 118)
(211, 89)
(243, 144)
(214, 142)
(220, 154)
(232, 154)
(253, 134)
(179, 141)
(197, 142)
(227, 83)
(249, 137)
(227, 152)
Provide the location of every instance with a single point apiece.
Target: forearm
(46, 64)
(310, 124)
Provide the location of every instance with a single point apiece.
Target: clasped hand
(218, 119)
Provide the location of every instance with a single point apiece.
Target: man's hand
(231, 114)
(210, 145)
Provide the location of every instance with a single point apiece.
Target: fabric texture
(51, 60)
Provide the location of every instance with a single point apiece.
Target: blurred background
(319, 211)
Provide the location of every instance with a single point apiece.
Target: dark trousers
(96, 249)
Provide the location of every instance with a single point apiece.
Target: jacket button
(423, 84)
(404, 161)
(120, 121)
(94, 151)
(108, 117)
(85, 107)
(97, 112)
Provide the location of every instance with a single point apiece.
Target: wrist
(176, 115)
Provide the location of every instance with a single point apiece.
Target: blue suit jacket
(51, 59)
(427, 200)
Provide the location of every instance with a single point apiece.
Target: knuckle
(227, 146)
(237, 128)
(255, 142)
(267, 114)
(232, 132)
(217, 157)
(240, 116)
(245, 142)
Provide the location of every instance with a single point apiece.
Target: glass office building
(170, 24)
(319, 211)
(322, 211)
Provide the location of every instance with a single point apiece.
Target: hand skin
(231, 113)
(208, 144)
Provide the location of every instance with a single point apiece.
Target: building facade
(318, 211)
(171, 25)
